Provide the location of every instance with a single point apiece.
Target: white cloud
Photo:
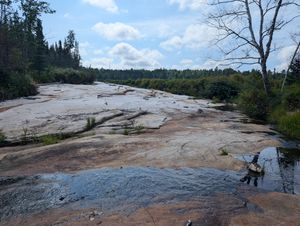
(195, 36)
(211, 64)
(186, 62)
(116, 31)
(84, 48)
(108, 5)
(87, 49)
(284, 56)
(175, 42)
(130, 57)
(164, 27)
(68, 16)
(188, 4)
(98, 52)
(99, 63)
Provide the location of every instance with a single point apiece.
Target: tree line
(108, 74)
(25, 54)
(244, 89)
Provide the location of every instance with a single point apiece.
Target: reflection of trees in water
(284, 164)
(287, 162)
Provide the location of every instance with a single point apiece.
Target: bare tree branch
(251, 37)
(290, 65)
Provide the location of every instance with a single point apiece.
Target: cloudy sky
(143, 33)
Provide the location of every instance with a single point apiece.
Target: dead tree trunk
(253, 36)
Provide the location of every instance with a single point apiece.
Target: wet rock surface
(152, 158)
(281, 170)
(115, 190)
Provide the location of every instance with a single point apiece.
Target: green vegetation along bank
(246, 90)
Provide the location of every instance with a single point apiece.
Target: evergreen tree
(295, 71)
(39, 62)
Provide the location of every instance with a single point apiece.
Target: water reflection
(281, 170)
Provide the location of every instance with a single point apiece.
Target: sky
(145, 34)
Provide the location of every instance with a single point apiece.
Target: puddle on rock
(281, 170)
(127, 189)
(123, 190)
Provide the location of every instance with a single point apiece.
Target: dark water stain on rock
(263, 132)
(281, 170)
(123, 190)
(225, 107)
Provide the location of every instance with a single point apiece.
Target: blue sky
(143, 33)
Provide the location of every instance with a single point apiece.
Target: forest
(26, 58)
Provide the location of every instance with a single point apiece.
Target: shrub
(2, 137)
(90, 123)
(24, 137)
(223, 152)
(291, 99)
(222, 90)
(276, 114)
(17, 85)
(66, 75)
(50, 139)
(254, 103)
(126, 132)
(290, 125)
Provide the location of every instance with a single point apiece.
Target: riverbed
(152, 158)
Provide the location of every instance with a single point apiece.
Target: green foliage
(24, 137)
(289, 124)
(50, 139)
(276, 113)
(54, 138)
(139, 129)
(294, 76)
(17, 85)
(222, 89)
(254, 103)
(126, 132)
(291, 98)
(126, 75)
(65, 75)
(90, 123)
(2, 137)
(25, 54)
(223, 152)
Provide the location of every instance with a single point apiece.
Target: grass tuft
(90, 123)
(224, 152)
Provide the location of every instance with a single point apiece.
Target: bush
(276, 114)
(66, 75)
(291, 99)
(222, 90)
(17, 85)
(50, 139)
(2, 137)
(90, 123)
(290, 125)
(254, 103)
